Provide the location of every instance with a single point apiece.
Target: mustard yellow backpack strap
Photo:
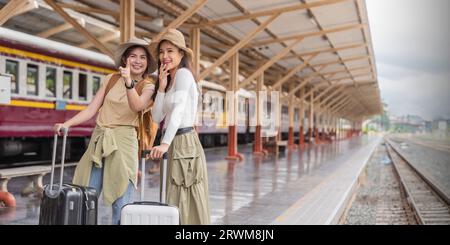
(146, 129)
(112, 81)
(141, 84)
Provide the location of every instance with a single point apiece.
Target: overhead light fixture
(158, 22)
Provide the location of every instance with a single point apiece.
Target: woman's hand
(58, 126)
(158, 151)
(125, 72)
(163, 73)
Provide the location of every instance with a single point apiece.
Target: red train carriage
(50, 82)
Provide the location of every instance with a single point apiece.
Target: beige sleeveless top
(115, 110)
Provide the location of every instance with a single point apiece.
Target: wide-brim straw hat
(176, 38)
(133, 42)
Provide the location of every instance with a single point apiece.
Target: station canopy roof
(323, 46)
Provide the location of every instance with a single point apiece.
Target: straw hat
(133, 42)
(176, 38)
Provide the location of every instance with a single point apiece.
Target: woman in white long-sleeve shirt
(176, 103)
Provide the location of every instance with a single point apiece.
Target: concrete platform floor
(254, 191)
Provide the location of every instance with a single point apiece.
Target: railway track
(428, 144)
(429, 205)
(392, 207)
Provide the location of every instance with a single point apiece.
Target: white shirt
(178, 105)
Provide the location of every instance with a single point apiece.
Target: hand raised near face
(163, 73)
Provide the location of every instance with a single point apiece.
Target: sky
(411, 41)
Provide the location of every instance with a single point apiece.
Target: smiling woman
(176, 103)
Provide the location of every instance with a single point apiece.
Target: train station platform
(309, 186)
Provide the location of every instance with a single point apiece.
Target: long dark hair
(184, 63)
(127, 54)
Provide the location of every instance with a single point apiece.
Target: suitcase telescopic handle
(55, 141)
(144, 153)
(162, 196)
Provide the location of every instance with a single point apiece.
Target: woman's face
(138, 61)
(169, 55)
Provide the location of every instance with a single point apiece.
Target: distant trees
(378, 123)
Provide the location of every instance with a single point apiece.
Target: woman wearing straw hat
(176, 102)
(111, 160)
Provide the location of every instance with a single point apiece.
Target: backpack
(147, 128)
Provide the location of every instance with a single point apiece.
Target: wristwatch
(132, 84)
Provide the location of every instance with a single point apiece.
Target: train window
(32, 79)
(95, 84)
(67, 85)
(50, 82)
(12, 67)
(82, 86)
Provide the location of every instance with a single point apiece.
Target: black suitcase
(61, 206)
(90, 205)
(67, 204)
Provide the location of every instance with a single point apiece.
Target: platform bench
(275, 147)
(35, 175)
(282, 145)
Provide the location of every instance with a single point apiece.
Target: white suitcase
(150, 213)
